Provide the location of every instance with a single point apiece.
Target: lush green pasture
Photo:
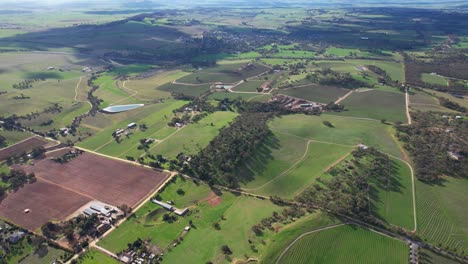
(346, 244)
(193, 137)
(376, 105)
(278, 153)
(111, 92)
(278, 241)
(442, 213)
(394, 69)
(315, 93)
(433, 79)
(155, 116)
(240, 213)
(344, 52)
(94, 256)
(131, 69)
(346, 131)
(394, 203)
(318, 158)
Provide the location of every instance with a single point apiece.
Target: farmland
(315, 93)
(446, 227)
(376, 105)
(63, 188)
(356, 179)
(356, 245)
(371, 133)
(206, 208)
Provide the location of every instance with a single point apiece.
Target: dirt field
(24, 146)
(63, 188)
(107, 180)
(46, 202)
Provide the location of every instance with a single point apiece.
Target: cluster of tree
(217, 162)
(451, 105)
(21, 97)
(182, 120)
(26, 84)
(329, 77)
(47, 123)
(3, 142)
(334, 107)
(16, 179)
(68, 156)
(384, 77)
(54, 108)
(430, 140)
(291, 212)
(352, 186)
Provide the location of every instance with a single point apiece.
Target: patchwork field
(441, 213)
(346, 131)
(24, 146)
(239, 214)
(155, 117)
(355, 244)
(193, 137)
(376, 105)
(315, 93)
(101, 178)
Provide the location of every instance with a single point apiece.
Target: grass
(301, 175)
(315, 93)
(433, 79)
(441, 213)
(155, 116)
(376, 105)
(346, 131)
(394, 204)
(429, 257)
(239, 212)
(250, 86)
(278, 241)
(147, 88)
(355, 244)
(95, 256)
(193, 137)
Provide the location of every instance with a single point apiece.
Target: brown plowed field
(89, 177)
(46, 202)
(25, 146)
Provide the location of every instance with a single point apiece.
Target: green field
(193, 137)
(239, 212)
(249, 86)
(155, 116)
(346, 244)
(346, 131)
(147, 88)
(441, 213)
(433, 79)
(375, 105)
(302, 174)
(190, 90)
(428, 257)
(227, 73)
(315, 93)
(94, 256)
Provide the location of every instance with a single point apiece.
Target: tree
(226, 250)
(180, 192)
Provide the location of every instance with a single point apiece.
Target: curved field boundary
(303, 235)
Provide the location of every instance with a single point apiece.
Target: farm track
(344, 97)
(408, 116)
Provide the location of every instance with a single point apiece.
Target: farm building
(163, 204)
(100, 209)
(181, 212)
(131, 125)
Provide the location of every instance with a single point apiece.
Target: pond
(121, 108)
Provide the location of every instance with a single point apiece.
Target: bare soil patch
(22, 147)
